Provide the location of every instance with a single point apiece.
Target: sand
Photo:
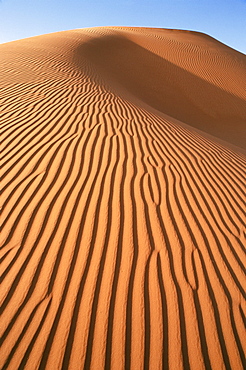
(123, 201)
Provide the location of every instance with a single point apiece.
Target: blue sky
(223, 19)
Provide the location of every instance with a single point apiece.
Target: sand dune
(123, 201)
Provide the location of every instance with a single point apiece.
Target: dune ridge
(123, 201)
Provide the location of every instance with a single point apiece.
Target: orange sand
(122, 176)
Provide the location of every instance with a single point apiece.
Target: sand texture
(123, 201)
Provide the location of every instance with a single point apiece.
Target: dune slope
(123, 201)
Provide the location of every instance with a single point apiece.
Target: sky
(224, 20)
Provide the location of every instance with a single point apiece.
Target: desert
(122, 201)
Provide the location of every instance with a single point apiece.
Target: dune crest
(123, 201)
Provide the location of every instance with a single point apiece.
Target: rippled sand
(123, 201)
